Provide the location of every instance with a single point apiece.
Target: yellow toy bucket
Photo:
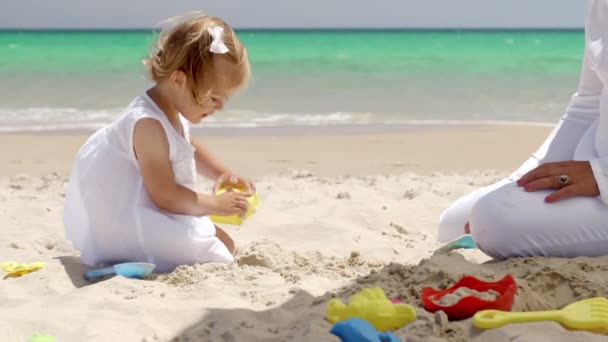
(236, 219)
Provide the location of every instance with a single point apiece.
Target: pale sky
(298, 13)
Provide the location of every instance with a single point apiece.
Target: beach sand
(339, 213)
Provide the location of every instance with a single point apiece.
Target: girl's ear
(179, 78)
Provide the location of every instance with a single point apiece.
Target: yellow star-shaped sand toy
(16, 269)
(372, 305)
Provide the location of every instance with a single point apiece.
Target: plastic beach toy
(589, 314)
(42, 338)
(16, 269)
(359, 330)
(236, 220)
(468, 306)
(462, 242)
(128, 270)
(372, 305)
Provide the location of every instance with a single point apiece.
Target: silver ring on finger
(563, 180)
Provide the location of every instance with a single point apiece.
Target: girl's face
(193, 109)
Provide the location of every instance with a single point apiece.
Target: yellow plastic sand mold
(589, 314)
(254, 202)
(16, 269)
(372, 305)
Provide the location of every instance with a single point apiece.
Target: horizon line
(310, 29)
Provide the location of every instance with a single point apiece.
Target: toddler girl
(132, 191)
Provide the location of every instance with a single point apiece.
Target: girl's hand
(230, 203)
(578, 180)
(230, 180)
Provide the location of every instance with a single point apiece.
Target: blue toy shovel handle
(100, 272)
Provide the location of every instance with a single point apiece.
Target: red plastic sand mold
(468, 306)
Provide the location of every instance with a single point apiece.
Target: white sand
(314, 237)
(450, 299)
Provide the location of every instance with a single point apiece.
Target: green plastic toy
(42, 338)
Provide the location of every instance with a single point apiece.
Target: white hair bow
(217, 43)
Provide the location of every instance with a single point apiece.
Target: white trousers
(507, 221)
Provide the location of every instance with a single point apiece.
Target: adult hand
(569, 178)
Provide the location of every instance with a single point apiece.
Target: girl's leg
(226, 239)
(510, 222)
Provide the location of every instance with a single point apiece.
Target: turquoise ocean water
(73, 80)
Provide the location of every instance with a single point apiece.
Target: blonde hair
(185, 45)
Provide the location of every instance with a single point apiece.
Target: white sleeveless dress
(108, 214)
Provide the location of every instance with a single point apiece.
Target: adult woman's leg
(454, 218)
(558, 146)
(510, 222)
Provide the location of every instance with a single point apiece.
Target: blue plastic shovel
(359, 330)
(462, 242)
(127, 270)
